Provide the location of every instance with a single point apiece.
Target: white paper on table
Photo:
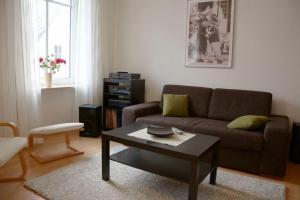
(174, 140)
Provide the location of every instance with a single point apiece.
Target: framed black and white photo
(209, 33)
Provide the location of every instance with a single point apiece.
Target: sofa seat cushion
(183, 123)
(231, 138)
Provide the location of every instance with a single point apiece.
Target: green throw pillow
(249, 122)
(175, 105)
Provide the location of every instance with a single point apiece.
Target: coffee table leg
(213, 176)
(105, 158)
(214, 165)
(194, 178)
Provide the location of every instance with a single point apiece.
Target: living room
(148, 37)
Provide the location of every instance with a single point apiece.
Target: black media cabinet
(117, 94)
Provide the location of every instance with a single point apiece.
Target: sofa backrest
(228, 104)
(199, 98)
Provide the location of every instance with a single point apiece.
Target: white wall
(150, 39)
(107, 33)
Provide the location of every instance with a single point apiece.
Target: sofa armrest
(277, 140)
(131, 113)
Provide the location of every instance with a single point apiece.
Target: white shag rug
(82, 181)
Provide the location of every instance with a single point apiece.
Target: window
(54, 34)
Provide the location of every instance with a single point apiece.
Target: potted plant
(50, 65)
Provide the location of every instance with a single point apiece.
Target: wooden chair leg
(30, 144)
(42, 160)
(24, 170)
(67, 139)
(23, 163)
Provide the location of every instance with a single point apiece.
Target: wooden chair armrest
(12, 125)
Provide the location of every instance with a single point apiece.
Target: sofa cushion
(249, 122)
(227, 104)
(231, 138)
(176, 105)
(183, 123)
(199, 98)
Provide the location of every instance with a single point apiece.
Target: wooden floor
(16, 191)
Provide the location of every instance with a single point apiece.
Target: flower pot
(48, 79)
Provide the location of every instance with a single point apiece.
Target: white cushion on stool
(57, 128)
(9, 147)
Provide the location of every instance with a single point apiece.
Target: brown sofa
(262, 151)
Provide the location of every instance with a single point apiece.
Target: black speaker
(90, 115)
(295, 144)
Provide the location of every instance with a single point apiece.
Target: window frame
(70, 79)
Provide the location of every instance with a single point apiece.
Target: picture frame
(209, 34)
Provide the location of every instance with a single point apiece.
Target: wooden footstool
(42, 132)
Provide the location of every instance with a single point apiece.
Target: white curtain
(86, 53)
(19, 70)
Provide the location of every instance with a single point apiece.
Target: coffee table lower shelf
(160, 164)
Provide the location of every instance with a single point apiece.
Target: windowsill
(54, 87)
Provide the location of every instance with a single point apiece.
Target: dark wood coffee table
(190, 162)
